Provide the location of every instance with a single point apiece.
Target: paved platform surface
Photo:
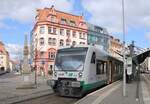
(2, 72)
(112, 94)
(10, 94)
(145, 83)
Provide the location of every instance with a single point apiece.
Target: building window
(41, 41)
(68, 32)
(61, 42)
(61, 31)
(42, 30)
(51, 55)
(74, 43)
(41, 53)
(67, 42)
(52, 19)
(54, 30)
(63, 21)
(72, 23)
(52, 41)
(82, 42)
(84, 36)
(74, 34)
(49, 30)
(80, 35)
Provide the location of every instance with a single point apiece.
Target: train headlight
(80, 74)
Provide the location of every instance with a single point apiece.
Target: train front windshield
(70, 59)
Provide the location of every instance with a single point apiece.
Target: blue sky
(17, 18)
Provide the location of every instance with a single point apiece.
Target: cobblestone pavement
(50, 99)
(10, 82)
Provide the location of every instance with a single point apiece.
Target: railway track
(49, 99)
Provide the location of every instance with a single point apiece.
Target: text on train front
(70, 60)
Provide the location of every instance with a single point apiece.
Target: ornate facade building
(4, 58)
(116, 48)
(98, 35)
(54, 29)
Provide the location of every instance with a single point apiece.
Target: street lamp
(35, 66)
(43, 63)
(124, 68)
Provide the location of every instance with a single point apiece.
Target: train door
(91, 69)
(110, 71)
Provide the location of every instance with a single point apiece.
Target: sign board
(129, 65)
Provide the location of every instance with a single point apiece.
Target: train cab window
(93, 58)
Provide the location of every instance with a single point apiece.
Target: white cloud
(108, 13)
(15, 50)
(147, 35)
(25, 10)
(3, 25)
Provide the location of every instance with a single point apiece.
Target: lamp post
(36, 58)
(43, 63)
(35, 66)
(124, 68)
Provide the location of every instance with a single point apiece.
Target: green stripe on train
(93, 85)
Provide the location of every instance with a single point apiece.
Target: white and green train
(80, 69)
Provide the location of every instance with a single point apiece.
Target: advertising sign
(129, 65)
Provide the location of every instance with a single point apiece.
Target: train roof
(98, 49)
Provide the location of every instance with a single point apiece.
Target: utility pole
(124, 68)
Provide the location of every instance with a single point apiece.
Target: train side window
(98, 68)
(105, 67)
(93, 58)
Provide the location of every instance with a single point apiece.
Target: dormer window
(52, 19)
(63, 21)
(72, 23)
(82, 23)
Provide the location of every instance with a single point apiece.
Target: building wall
(98, 35)
(115, 48)
(54, 29)
(4, 58)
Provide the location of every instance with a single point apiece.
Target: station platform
(112, 94)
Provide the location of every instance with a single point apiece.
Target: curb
(1, 73)
(17, 99)
(95, 96)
